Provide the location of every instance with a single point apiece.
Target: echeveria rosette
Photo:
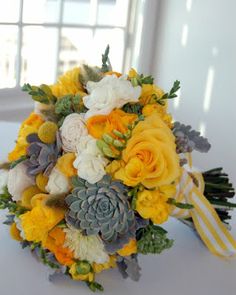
(103, 209)
(42, 157)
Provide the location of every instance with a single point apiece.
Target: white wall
(196, 44)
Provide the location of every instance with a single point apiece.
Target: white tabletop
(186, 269)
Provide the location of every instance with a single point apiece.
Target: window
(41, 39)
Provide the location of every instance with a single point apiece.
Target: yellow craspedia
(28, 194)
(65, 164)
(128, 249)
(47, 132)
(15, 233)
(79, 277)
(152, 204)
(41, 182)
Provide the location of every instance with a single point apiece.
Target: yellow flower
(30, 125)
(150, 155)
(150, 109)
(65, 164)
(69, 83)
(117, 119)
(132, 73)
(41, 182)
(55, 243)
(148, 93)
(128, 249)
(40, 220)
(47, 132)
(28, 194)
(153, 204)
(78, 277)
(97, 268)
(15, 233)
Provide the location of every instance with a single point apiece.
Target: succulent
(188, 139)
(41, 157)
(103, 209)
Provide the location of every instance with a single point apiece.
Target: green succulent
(101, 208)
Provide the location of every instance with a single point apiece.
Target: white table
(186, 269)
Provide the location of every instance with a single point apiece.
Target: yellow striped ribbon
(207, 223)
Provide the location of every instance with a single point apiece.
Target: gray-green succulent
(101, 208)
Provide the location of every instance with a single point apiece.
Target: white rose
(57, 183)
(109, 93)
(90, 167)
(88, 145)
(18, 181)
(71, 130)
(3, 180)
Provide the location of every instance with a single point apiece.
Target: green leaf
(42, 94)
(172, 201)
(153, 240)
(63, 106)
(172, 94)
(94, 286)
(106, 66)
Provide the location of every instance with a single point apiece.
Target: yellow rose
(150, 155)
(148, 92)
(153, 204)
(150, 109)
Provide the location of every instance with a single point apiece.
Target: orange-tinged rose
(150, 155)
(150, 109)
(117, 119)
(55, 243)
(65, 164)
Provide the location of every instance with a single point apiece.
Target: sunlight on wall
(184, 37)
(208, 89)
(176, 101)
(202, 128)
(189, 5)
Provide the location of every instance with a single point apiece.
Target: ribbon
(207, 222)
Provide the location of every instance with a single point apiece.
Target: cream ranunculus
(18, 181)
(71, 130)
(109, 93)
(90, 167)
(89, 248)
(58, 183)
(90, 162)
(3, 179)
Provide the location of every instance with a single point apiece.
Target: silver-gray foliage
(103, 209)
(42, 157)
(188, 139)
(129, 267)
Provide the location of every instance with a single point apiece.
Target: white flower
(90, 168)
(89, 162)
(17, 221)
(58, 183)
(88, 145)
(18, 181)
(71, 130)
(109, 93)
(88, 248)
(3, 180)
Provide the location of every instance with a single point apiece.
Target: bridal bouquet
(99, 167)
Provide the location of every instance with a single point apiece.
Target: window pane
(41, 11)
(76, 45)
(113, 37)
(76, 12)
(9, 11)
(112, 12)
(8, 45)
(39, 53)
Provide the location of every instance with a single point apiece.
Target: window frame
(136, 36)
